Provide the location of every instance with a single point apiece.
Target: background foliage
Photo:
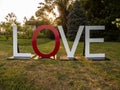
(97, 12)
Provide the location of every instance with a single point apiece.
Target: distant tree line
(24, 31)
(103, 12)
(93, 12)
(72, 13)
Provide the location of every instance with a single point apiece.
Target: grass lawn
(59, 75)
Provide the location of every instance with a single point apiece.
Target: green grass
(59, 75)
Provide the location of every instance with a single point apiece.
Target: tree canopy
(76, 18)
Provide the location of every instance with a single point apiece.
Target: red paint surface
(57, 41)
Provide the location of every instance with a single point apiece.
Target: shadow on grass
(106, 59)
(70, 60)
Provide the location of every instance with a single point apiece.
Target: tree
(117, 23)
(11, 18)
(103, 12)
(7, 25)
(8, 29)
(63, 7)
(35, 22)
(75, 18)
(42, 13)
(27, 32)
(25, 20)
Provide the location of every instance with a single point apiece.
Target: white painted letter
(70, 54)
(88, 40)
(17, 55)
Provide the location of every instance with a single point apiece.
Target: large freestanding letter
(34, 41)
(88, 40)
(70, 54)
(17, 55)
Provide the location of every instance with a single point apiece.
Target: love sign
(70, 53)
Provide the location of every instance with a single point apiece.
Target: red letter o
(34, 41)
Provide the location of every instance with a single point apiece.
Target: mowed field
(59, 74)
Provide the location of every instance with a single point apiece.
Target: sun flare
(51, 16)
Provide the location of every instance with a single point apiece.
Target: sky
(20, 8)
